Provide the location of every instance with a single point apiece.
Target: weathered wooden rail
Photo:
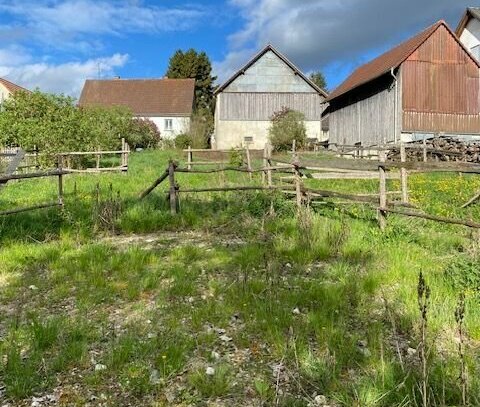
(58, 172)
(380, 169)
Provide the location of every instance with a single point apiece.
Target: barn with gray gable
(246, 102)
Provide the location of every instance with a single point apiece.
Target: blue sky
(57, 44)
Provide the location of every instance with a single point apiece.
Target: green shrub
(287, 125)
(143, 134)
(183, 140)
(235, 158)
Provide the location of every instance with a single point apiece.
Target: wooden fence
(58, 172)
(297, 171)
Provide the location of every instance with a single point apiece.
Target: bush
(143, 134)
(183, 141)
(287, 125)
(55, 124)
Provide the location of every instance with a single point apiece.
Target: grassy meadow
(239, 300)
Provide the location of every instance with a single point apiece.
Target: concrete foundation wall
(233, 133)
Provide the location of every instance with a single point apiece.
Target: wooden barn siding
(365, 115)
(441, 88)
(261, 106)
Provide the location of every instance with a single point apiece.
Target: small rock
(210, 371)
(225, 338)
(215, 355)
(296, 311)
(362, 344)
(288, 265)
(99, 367)
(411, 351)
(365, 352)
(154, 377)
(320, 400)
(33, 287)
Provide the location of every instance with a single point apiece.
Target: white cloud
(65, 78)
(322, 33)
(63, 23)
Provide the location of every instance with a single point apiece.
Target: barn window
(168, 124)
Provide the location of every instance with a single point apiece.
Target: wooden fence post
(60, 181)
(382, 218)
(265, 164)
(189, 158)
(249, 163)
(269, 164)
(173, 187)
(35, 150)
(298, 184)
(97, 158)
(424, 149)
(404, 173)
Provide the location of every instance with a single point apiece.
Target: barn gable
(266, 84)
(270, 74)
(440, 81)
(270, 71)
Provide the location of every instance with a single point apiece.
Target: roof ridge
(411, 44)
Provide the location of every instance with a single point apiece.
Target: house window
(168, 124)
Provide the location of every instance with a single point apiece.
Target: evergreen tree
(196, 65)
(318, 79)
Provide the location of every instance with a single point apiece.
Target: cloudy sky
(56, 44)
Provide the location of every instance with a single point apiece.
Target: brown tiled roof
(385, 62)
(12, 87)
(260, 54)
(163, 97)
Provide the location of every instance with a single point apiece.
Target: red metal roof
(390, 59)
(12, 87)
(162, 97)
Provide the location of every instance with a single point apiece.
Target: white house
(8, 88)
(468, 30)
(166, 102)
(246, 102)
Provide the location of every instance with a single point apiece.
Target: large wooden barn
(246, 102)
(425, 86)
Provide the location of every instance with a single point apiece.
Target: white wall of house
(233, 133)
(170, 127)
(470, 37)
(4, 93)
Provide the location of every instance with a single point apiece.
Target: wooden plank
(382, 218)
(462, 222)
(52, 173)
(404, 174)
(355, 175)
(238, 188)
(157, 182)
(28, 209)
(173, 191)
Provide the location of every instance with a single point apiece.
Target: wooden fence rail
(335, 169)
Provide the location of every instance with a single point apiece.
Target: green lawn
(237, 301)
